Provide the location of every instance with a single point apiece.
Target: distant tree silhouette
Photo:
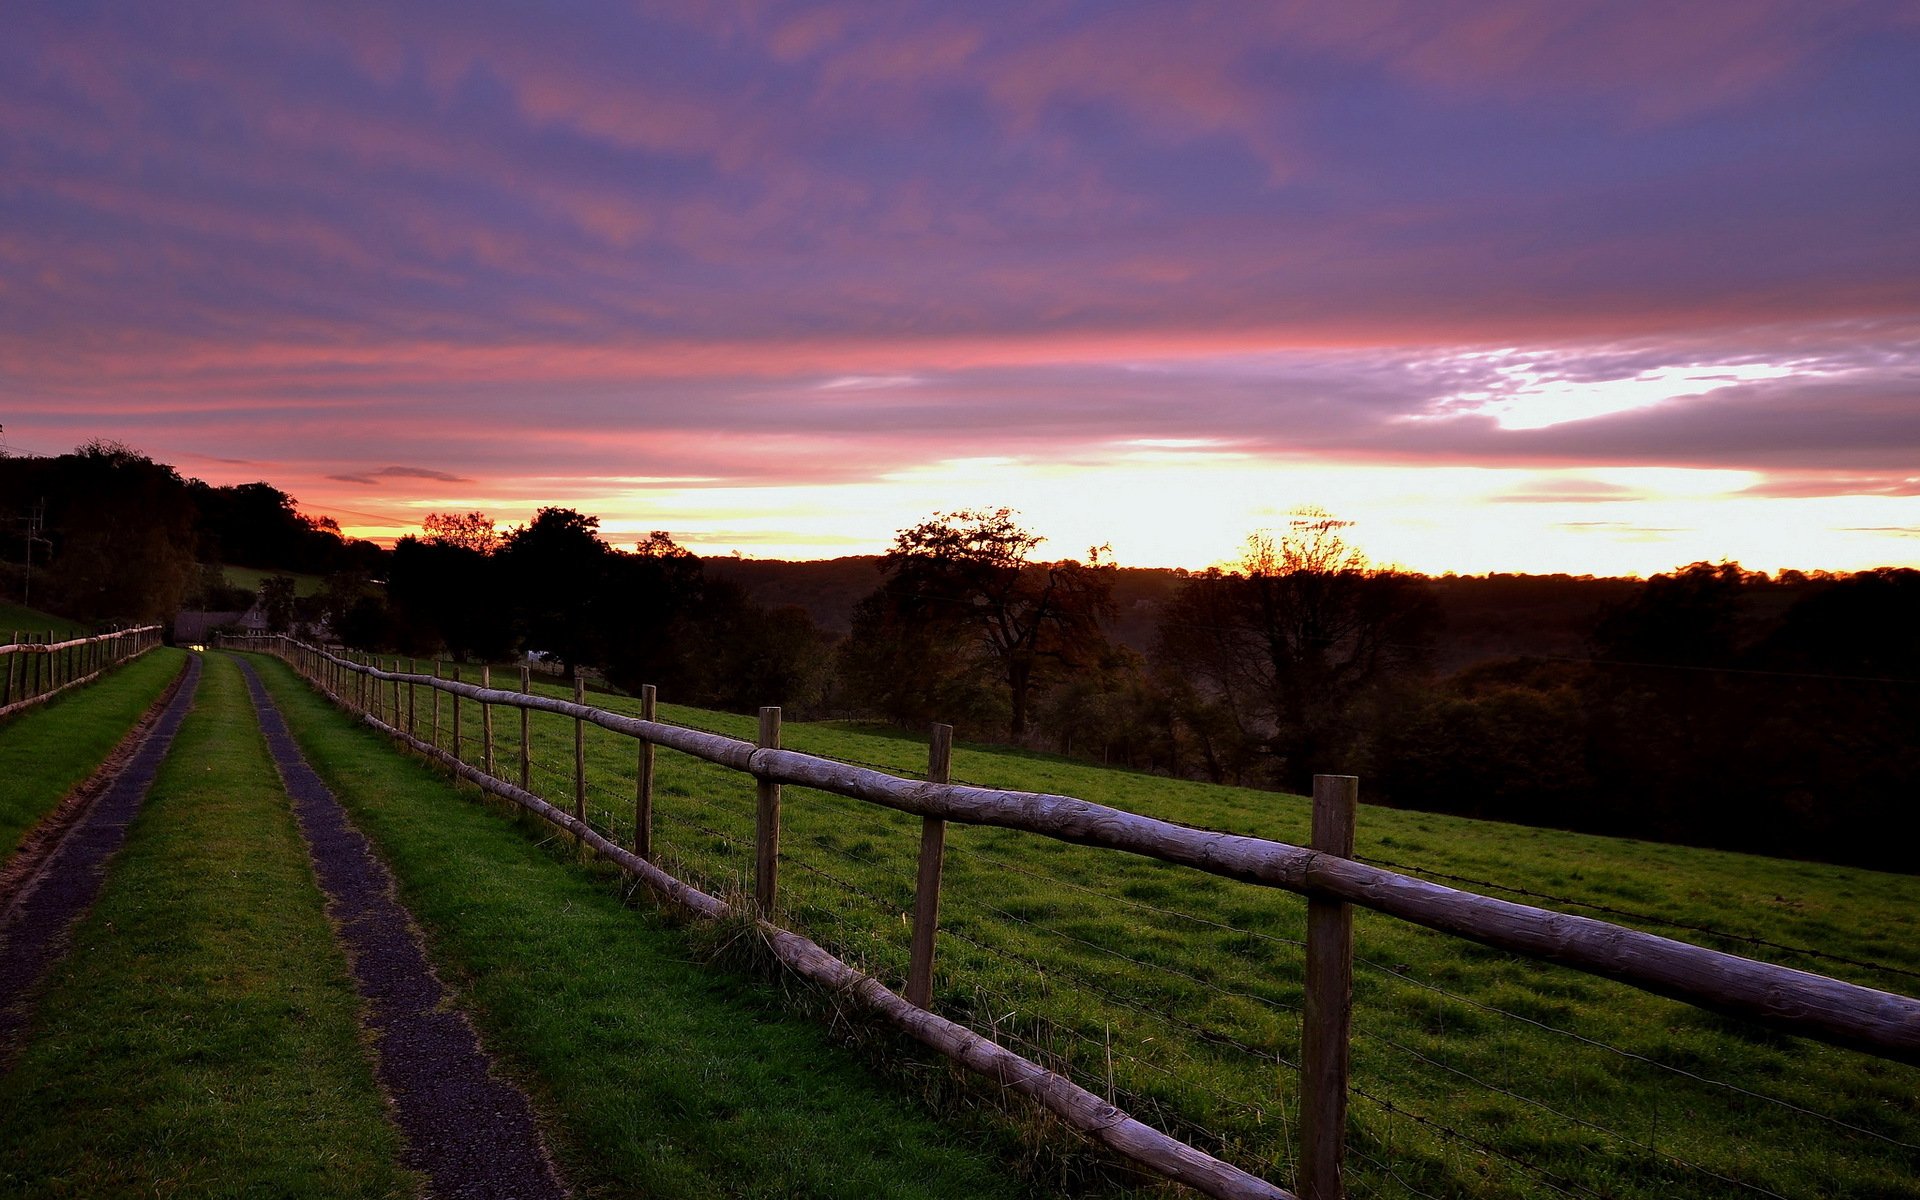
(122, 532)
(968, 581)
(1289, 644)
(557, 567)
(277, 594)
(468, 531)
(448, 594)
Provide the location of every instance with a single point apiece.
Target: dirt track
(471, 1133)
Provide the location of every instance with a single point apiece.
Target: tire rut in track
(39, 916)
(471, 1133)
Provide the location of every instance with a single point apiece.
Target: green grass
(202, 1039)
(1178, 992)
(658, 1076)
(31, 620)
(252, 577)
(50, 749)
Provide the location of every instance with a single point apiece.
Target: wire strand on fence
(1545, 1176)
(1002, 864)
(1655, 1063)
(1141, 1103)
(1043, 970)
(1560, 1114)
(1177, 973)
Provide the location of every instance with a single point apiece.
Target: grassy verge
(1479, 1073)
(658, 1076)
(47, 751)
(202, 1039)
(32, 620)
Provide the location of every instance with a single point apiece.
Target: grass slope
(658, 1076)
(48, 750)
(1480, 1073)
(202, 1039)
(252, 577)
(16, 617)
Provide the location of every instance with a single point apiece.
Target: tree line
(107, 534)
(1709, 705)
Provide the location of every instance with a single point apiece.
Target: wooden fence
(38, 669)
(1880, 1023)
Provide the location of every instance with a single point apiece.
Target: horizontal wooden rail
(93, 639)
(1884, 1024)
(32, 673)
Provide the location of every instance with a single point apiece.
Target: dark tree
(969, 577)
(121, 528)
(1690, 617)
(258, 525)
(557, 567)
(447, 594)
(276, 602)
(1291, 644)
(467, 531)
(655, 603)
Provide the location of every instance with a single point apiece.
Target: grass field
(252, 577)
(202, 1038)
(47, 751)
(31, 620)
(1478, 1073)
(659, 1076)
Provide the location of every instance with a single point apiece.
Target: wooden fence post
(413, 668)
(643, 778)
(926, 888)
(459, 753)
(486, 723)
(766, 826)
(399, 718)
(436, 703)
(1327, 1017)
(526, 730)
(579, 749)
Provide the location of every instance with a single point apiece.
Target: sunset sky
(1546, 286)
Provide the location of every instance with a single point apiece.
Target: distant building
(193, 627)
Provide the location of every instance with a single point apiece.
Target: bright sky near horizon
(1544, 285)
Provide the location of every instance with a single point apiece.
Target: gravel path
(471, 1133)
(40, 915)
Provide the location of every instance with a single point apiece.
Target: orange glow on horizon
(1172, 507)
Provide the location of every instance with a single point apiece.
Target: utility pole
(34, 524)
